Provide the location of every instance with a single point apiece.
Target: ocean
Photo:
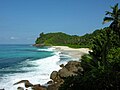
(26, 62)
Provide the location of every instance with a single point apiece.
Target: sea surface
(26, 62)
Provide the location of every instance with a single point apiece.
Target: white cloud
(13, 38)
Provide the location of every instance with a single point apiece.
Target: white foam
(39, 74)
(48, 49)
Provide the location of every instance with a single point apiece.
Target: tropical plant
(101, 66)
(114, 16)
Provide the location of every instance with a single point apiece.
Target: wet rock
(2, 89)
(54, 86)
(26, 82)
(38, 87)
(73, 66)
(65, 73)
(54, 75)
(62, 65)
(39, 45)
(70, 69)
(50, 82)
(20, 88)
(22, 81)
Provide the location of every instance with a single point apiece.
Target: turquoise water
(25, 62)
(18, 62)
(11, 55)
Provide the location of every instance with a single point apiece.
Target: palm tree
(114, 16)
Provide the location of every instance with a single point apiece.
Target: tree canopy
(62, 39)
(102, 65)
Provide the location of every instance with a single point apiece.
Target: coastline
(69, 69)
(64, 70)
(73, 52)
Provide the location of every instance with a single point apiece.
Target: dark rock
(38, 87)
(73, 66)
(54, 75)
(54, 86)
(50, 82)
(70, 69)
(26, 82)
(39, 45)
(20, 88)
(62, 65)
(65, 73)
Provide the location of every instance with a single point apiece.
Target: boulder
(26, 82)
(73, 66)
(20, 88)
(70, 69)
(38, 87)
(64, 72)
(50, 82)
(54, 75)
(39, 45)
(62, 65)
(2, 89)
(54, 86)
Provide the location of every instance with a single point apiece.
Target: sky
(21, 21)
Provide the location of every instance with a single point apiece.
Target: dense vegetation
(62, 39)
(102, 65)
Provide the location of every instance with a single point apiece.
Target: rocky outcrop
(73, 66)
(2, 89)
(54, 86)
(20, 88)
(28, 84)
(70, 69)
(39, 45)
(38, 87)
(54, 76)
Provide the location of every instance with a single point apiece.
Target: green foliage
(114, 16)
(102, 65)
(74, 46)
(62, 39)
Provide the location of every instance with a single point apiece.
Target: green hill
(62, 39)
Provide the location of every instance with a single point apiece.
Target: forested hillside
(62, 39)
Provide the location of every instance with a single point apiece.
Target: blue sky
(21, 21)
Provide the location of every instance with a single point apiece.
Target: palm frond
(119, 12)
(107, 19)
(108, 13)
(115, 9)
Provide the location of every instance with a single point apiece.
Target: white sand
(77, 53)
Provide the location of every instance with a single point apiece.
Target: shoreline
(67, 69)
(73, 52)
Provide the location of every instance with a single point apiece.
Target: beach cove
(65, 55)
(73, 52)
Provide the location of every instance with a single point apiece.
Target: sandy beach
(73, 52)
